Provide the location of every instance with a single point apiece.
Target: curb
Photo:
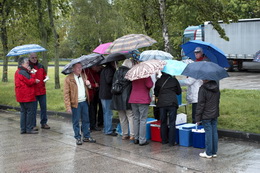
(254, 137)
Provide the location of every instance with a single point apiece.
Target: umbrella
(145, 69)
(102, 48)
(205, 71)
(155, 54)
(25, 49)
(85, 60)
(212, 52)
(174, 67)
(115, 57)
(257, 57)
(130, 42)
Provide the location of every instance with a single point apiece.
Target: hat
(198, 49)
(128, 63)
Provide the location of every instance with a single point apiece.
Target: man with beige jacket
(76, 102)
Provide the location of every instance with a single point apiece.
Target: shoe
(45, 126)
(136, 141)
(146, 143)
(32, 132)
(132, 138)
(22, 132)
(35, 128)
(90, 140)
(78, 142)
(112, 134)
(125, 137)
(165, 142)
(214, 155)
(171, 145)
(204, 155)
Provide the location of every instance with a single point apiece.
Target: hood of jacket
(211, 86)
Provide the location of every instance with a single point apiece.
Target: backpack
(117, 88)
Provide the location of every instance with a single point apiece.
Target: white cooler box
(181, 119)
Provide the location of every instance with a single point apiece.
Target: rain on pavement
(55, 150)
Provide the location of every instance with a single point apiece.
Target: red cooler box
(155, 131)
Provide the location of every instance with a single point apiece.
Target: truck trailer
(244, 41)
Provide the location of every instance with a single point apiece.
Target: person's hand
(46, 79)
(96, 85)
(197, 123)
(69, 110)
(33, 71)
(88, 83)
(37, 80)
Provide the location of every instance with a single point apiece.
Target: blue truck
(244, 41)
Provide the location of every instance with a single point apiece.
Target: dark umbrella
(115, 57)
(211, 51)
(205, 71)
(85, 60)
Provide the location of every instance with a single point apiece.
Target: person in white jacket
(192, 93)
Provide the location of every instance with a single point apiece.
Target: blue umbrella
(205, 70)
(25, 49)
(155, 54)
(85, 60)
(212, 52)
(257, 56)
(174, 67)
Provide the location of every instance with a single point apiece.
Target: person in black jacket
(120, 100)
(208, 112)
(166, 89)
(105, 95)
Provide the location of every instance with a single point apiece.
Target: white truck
(244, 41)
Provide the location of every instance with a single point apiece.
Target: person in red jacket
(24, 91)
(40, 91)
(200, 56)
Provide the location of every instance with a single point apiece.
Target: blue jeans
(164, 112)
(81, 113)
(211, 136)
(42, 101)
(26, 116)
(108, 115)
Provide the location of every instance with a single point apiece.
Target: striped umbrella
(25, 49)
(130, 42)
(145, 69)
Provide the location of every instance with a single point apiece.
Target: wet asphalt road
(55, 150)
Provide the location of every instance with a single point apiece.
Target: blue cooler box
(179, 98)
(185, 135)
(148, 129)
(198, 138)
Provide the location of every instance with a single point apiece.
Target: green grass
(239, 109)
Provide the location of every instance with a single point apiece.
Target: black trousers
(95, 108)
(194, 107)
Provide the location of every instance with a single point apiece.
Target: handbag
(156, 98)
(117, 88)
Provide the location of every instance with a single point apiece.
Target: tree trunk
(165, 32)
(57, 44)
(43, 34)
(4, 39)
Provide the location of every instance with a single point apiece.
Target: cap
(198, 49)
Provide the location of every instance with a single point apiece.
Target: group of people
(30, 90)
(106, 87)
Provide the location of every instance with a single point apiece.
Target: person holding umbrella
(25, 81)
(76, 102)
(208, 113)
(200, 56)
(166, 89)
(40, 91)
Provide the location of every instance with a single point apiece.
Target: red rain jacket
(40, 74)
(24, 85)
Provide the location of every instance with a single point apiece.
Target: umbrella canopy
(212, 52)
(174, 67)
(205, 71)
(85, 60)
(155, 54)
(145, 69)
(257, 57)
(130, 42)
(115, 57)
(25, 49)
(102, 48)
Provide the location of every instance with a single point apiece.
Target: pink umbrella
(102, 48)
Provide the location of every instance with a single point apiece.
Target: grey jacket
(208, 101)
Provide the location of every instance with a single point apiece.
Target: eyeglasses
(35, 57)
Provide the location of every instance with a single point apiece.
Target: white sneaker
(204, 155)
(214, 155)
